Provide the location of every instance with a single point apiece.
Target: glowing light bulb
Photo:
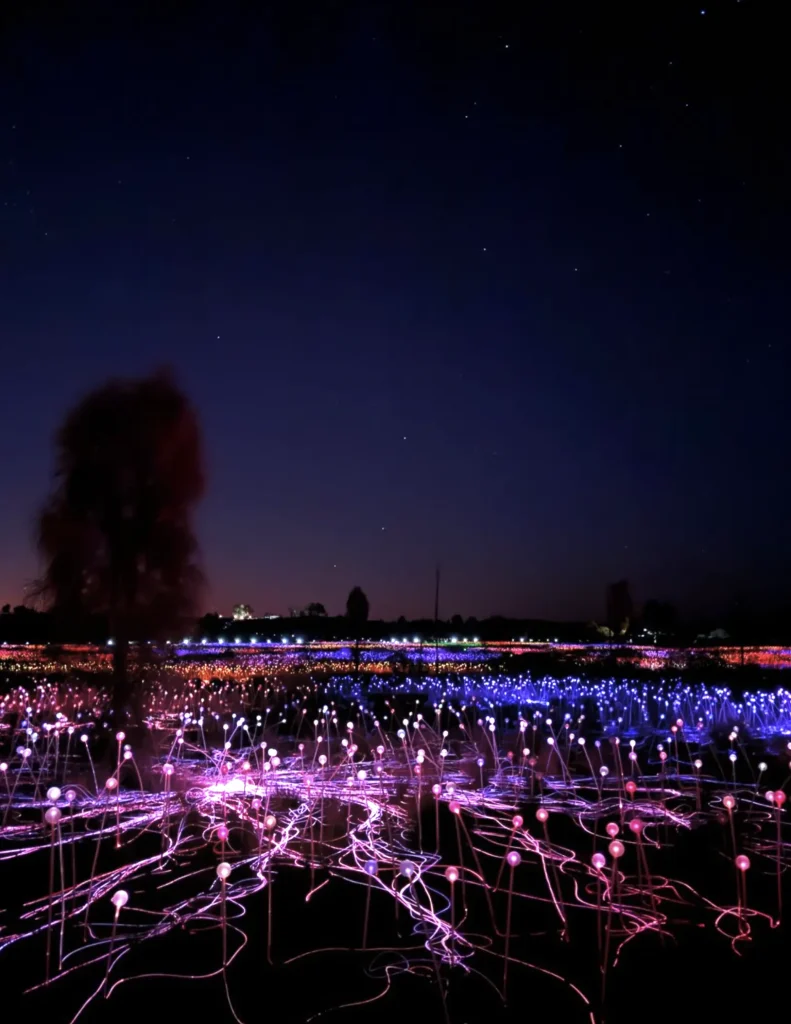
(514, 858)
(223, 870)
(517, 821)
(728, 802)
(370, 867)
(612, 829)
(52, 815)
(617, 849)
(452, 874)
(407, 868)
(542, 814)
(742, 862)
(120, 899)
(222, 833)
(598, 860)
(53, 794)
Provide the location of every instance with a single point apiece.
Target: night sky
(502, 291)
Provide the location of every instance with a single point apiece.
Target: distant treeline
(21, 625)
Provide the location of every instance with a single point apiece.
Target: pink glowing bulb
(222, 833)
(612, 829)
(454, 807)
(53, 794)
(120, 736)
(223, 870)
(270, 821)
(120, 899)
(780, 797)
(70, 795)
(517, 821)
(111, 783)
(452, 875)
(617, 849)
(3, 766)
(436, 789)
(631, 787)
(742, 862)
(514, 858)
(728, 802)
(598, 860)
(542, 814)
(52, 815)
(168, 769)
(636, 825)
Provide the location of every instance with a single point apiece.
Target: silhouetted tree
(6, 609)
(116, 534)
(210, 625)
(316, 608)
(357, 609)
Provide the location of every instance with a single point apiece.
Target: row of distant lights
(299, 640)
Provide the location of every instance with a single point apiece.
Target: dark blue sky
(502, 291)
